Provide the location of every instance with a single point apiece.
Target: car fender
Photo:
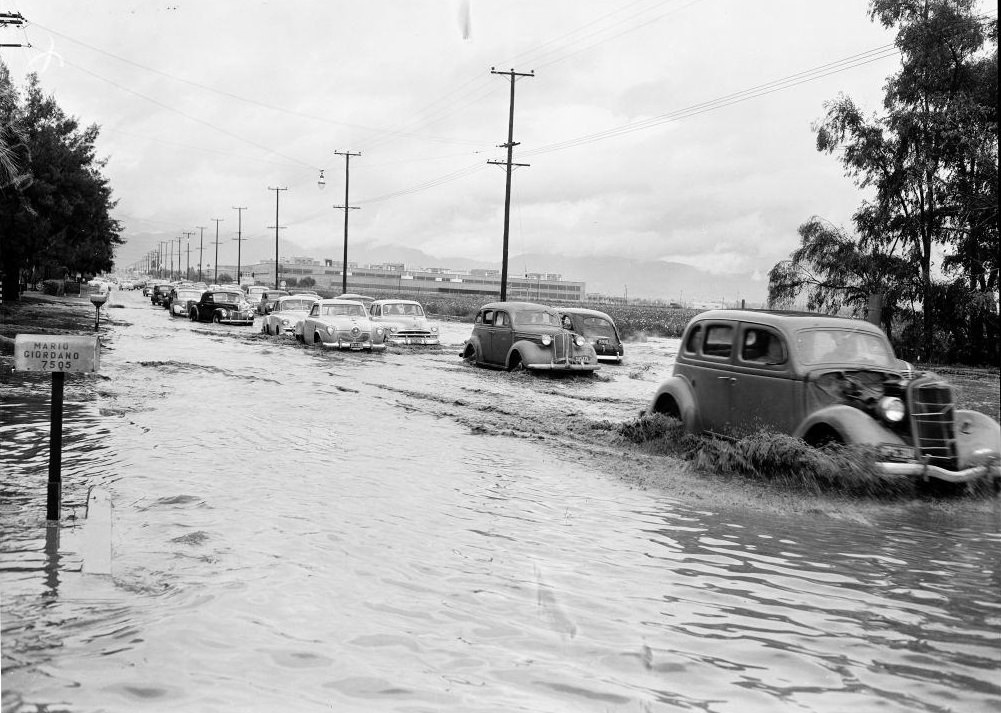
(679, 390)
(850, 424)
(978, 437)
(473, 342)
(529, 351)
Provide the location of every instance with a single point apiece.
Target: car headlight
(434, 329)
(391, 329)
(547, 339)
(284, 322)
(330, 331)
(892, 409)
(379, 330)
(579, 340)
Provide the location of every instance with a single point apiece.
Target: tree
(307, 281)
(56, 218)
(929, 162)
(836, 271)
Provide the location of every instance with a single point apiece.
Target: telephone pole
(187, 271)
(347, 178)
(277, 227)
(15, 19)
(510, 166)
(201, 239)
(217, 221)
(239, 241)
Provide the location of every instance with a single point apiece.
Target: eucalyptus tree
(928, 163)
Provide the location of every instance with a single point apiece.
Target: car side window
(694, 340)
(315, 311)
(718, 341)
(488, 317)
(501, 319)
(762, 346)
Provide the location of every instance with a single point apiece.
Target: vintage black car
(598, 329)
(160, 294)
(523, 335)
(268, 299)
(826, 380)
(222, 307)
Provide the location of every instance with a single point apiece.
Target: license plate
(896, 452)
(356, 345)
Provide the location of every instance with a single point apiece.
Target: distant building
(414, 282)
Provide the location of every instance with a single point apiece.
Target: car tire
(316, 339)
(193, 315)
(471, 355)
(216, 319)
(822, 436)
(516, 363)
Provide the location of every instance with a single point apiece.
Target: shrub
(53, 287)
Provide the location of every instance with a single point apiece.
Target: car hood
(403, 322)
(343, 321)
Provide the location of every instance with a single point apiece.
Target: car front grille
(933, 422)
(561, 346)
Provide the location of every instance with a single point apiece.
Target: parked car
(341, 324)
(404, 322)
(254, 293)
(268, 299)
(598, 329)
(222, 307)
(287, 314)
(160, 294)
(364, 299)
(180, 299)
(523, 335)
(826, 380)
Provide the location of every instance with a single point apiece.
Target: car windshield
(227, 297)
(188, 294)
(406, 310)
(295, 305)
(538, 317)
(597, 327)
(343, 310)
(843, 346)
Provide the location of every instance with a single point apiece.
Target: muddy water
(297, 530)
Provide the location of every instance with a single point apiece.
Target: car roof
(787, 319)
(512, 306)
(339, 300)
(397, 302)
(586, 312)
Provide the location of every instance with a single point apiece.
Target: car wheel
(316, 339)
(823, 435)
(193, 315)
(516, 363)
(470, 355)
(216, 318)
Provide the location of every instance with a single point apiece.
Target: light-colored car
(524, 335)
(341, 324)
(287, 315)
(180, 299)
(598, 329)
(826, 380)
(404, 321)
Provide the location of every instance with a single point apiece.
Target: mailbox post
(57, 354)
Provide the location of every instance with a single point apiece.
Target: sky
(673, 130)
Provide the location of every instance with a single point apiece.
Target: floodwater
(297, 530)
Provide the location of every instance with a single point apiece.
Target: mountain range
(618, 277)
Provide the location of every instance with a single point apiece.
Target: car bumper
(610, 358)
(407, 339)
(353, 346)
(922, 470)
(562, 367)
(237, 320)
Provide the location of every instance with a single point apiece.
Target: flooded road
(313, 531)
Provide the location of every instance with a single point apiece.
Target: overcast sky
(635, 143)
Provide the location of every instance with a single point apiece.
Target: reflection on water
(291, 535)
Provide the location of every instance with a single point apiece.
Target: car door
(763, 395)
(501, 337)
(711, 374)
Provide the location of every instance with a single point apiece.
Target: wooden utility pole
(217, 221)
(347, 179)
(187, 271)
(239, 241)
(510, 166)
(276, 227)
(201, 249)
